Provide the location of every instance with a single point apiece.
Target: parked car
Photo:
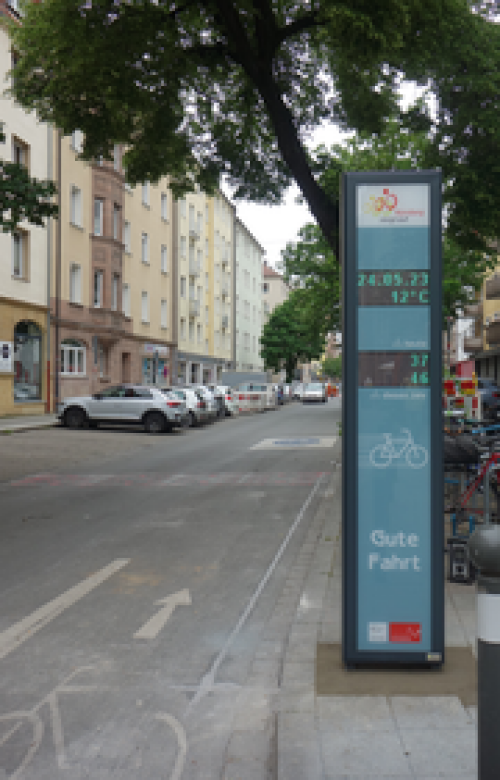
(228, 398)
(143, 405)
(209, 399)
(197, 411)
(297, 391)
(314, 391)
(490, 397)
(270, 393)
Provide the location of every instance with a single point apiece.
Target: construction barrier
(251, 402)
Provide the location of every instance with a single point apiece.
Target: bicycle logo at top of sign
(383, 455)
(386, 202)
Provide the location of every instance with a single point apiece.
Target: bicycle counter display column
(393, 537)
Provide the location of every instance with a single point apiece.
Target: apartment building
(205, 296)
(248, 305)
(482, 335)
(274, 291)
(24, 313)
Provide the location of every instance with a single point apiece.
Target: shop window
(195, 372)
(27, 361)
(73, 358)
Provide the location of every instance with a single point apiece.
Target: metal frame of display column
(393, 563)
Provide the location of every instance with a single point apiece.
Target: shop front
(22, 360)
(156, 365)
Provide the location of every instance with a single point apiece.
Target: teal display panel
(393, 605)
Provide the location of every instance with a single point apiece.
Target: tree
(332, 367)
(233, 88)
(23, 197)
(288, 338)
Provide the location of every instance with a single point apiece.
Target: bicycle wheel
(416, 457)
(380, 456)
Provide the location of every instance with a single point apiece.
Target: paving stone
(441, 751)
(298, 675)
(359, 754)
(301, 702)
(430, 712)
(354, 713)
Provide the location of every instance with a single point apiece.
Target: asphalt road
(137, 575)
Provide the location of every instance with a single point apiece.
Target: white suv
(142, 405)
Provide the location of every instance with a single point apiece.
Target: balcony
(194, 307)
(111, 324)
(473, 344)
(493, 287)
(474, 311)
(493, 333)
(225, 321)
(194, 267)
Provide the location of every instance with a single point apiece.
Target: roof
(271, 273)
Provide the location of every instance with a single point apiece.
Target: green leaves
(23, 197)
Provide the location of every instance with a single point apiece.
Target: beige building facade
(24, 269)
(249, 295)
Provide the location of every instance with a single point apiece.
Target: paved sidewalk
(353, 735)
(27, 422)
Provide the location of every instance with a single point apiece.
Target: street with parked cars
(160, 410)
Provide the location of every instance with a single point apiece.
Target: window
(116, 222)
(145, 308)
(164, 206)
(20, 152)
(145, 194)
(27, 361)
(98, 289)
(206, 213)
(183, 246)
(126, 300)
(200, 293)
(191, 218)
(73, 355)
(117, 157)
(76, 206)
(127, 236)
(206, 247)
(191, 290)
(183, 286)
(98, 217)
(163, 316)
(183, 329)
(191, 330)
(198, 334)
(206, 346)
(183, 208)
(206, 282)
(77, 140)
(164, 264)
(20, 255)
(75, 283)
(206, 315)
(145, 248)
(265, 287)
(199, 256)
(266, 308)
(114, 292)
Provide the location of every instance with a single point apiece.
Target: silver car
(314, 391)
(196, 408)
(142, 405)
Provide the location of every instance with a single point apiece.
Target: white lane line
(207, 682)
(14, 636)
(154, 625)
(179, 732)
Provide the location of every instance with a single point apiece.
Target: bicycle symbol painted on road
(383, 455)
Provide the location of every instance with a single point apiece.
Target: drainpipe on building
(57, 355)
(49, 262)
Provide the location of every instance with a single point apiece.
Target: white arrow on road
(152, 628)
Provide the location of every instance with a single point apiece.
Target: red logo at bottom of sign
(405, 632)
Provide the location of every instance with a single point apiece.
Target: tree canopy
(289, 337)
(234, 88)
(23, 197)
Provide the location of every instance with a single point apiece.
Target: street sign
(393, 608)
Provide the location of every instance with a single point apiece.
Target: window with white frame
(200, 293)
(76, 206)
(20, 254)
(182, 204)
(206, 346)
(98, 289)
(117, 157)
(183, 246)
(145, 193)
(217, 339)
(198, 334)
(145, 248)
(191, 290)
(183, 286)
(183, 329)
(206, 247)
(77, 141)
(127, 236)
(164, 259)
(191, 330)
(199, 257)
(206, 213)
(73, 354)
(199, 221)
(191, 218)
(98, 217)
(164, 206)
(206, 315)
(126, 299)
(163, 314)
(207, 285)
(145, 307)
(116, 222)
(75, 283)
(20, 152)
(115, 287)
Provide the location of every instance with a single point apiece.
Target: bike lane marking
(13, 637)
